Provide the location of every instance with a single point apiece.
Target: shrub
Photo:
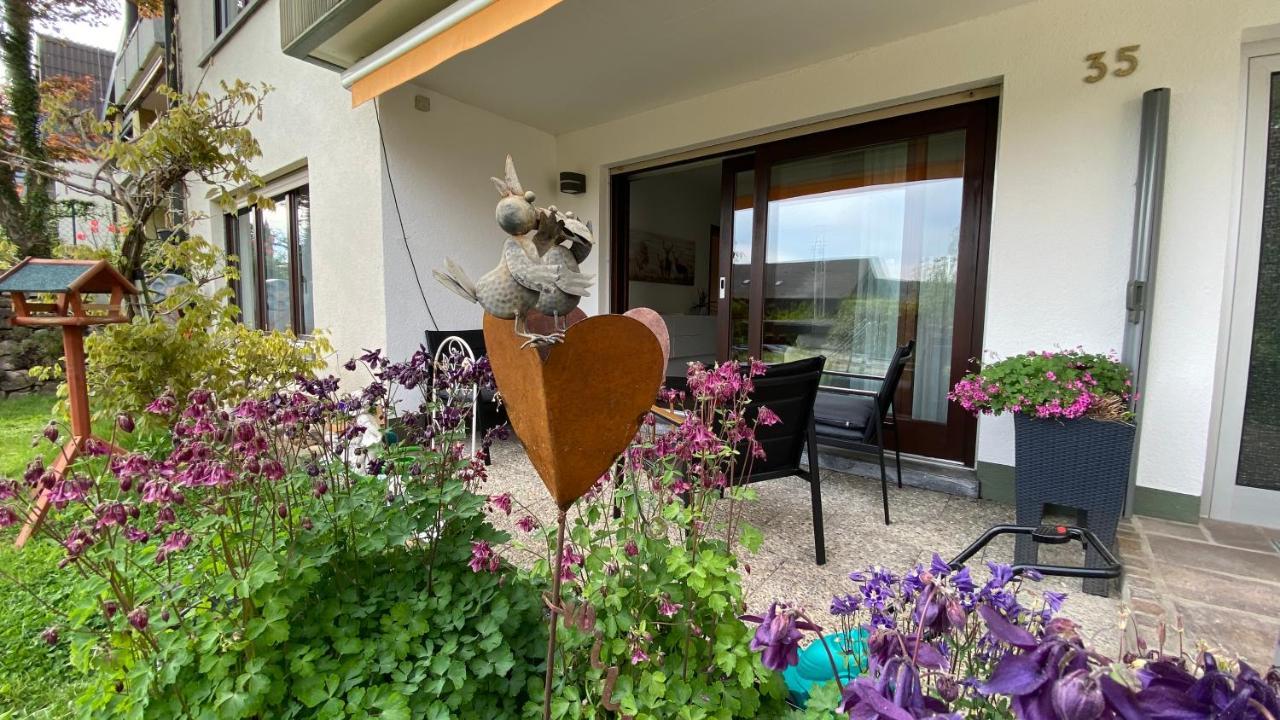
(270, 560)
(1050, 384)
(192, 340)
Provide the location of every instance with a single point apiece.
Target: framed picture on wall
(661, 258)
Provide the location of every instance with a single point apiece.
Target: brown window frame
(233, 246)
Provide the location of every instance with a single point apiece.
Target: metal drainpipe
(1142, 268)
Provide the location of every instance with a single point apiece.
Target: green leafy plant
(1050, 384)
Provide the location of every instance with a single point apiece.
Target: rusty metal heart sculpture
(579, 408)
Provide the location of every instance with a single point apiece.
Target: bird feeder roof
(36, 275)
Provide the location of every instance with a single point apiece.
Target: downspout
(1152, 146)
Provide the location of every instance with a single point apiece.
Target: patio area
(1221, 580)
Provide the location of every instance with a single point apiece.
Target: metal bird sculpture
(536, 270)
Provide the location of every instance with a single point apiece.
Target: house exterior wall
(440, 164)
(308, 118)
(1063, 197)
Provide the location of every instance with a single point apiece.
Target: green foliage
(35, 681)
(193, 339)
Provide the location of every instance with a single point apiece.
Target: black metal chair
(489, 412)
(789, 390)
(856, 419)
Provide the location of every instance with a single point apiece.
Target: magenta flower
(7, 516)
(51, 432)
(501, 502)
(526, 523)
(177, 541)
(163, 405)
(140, 618)
(483, 558)
(768, 417)
(667, 608)
(631, 548)
(50, 635)
(639, 656)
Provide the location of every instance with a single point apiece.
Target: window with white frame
(273, 249)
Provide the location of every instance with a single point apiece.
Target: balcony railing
(306, 24)
(144, 46)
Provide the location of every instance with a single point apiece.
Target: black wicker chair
(854, 419)
(490, 413)
(789, 390)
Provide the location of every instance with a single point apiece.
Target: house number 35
(1126, 58)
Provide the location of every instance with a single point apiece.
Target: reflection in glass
(861, 256)
(303, 209)
(740, 267)
(1260, 435)
(246, 252)
(275, 230)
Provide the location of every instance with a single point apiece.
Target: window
(225, 13)
(273, 246)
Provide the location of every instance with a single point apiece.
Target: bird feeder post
(68, 282)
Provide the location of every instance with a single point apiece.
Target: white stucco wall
(441, 162)
(1067, 157)
(307, 117)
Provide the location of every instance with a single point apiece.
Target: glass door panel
(862, 250)
(277, 268)
(1260, 435)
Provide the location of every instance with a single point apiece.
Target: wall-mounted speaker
(572, 183)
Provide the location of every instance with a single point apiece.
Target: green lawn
(21, 417)
(36, 680)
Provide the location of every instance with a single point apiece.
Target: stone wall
(21, 349)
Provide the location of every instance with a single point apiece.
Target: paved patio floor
(1223, 581)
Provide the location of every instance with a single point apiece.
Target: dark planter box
(1081, 464)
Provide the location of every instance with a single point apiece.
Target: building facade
(959, 174)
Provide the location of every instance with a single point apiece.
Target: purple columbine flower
(140, 618)
(667, 608)
(1078, 696)
(778, 636)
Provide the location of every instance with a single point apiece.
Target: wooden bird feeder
(70, 283)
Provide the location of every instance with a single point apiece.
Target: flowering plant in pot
(945, 645)
(1073, 435)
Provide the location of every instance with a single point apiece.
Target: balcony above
(338, 33)
(139, 62)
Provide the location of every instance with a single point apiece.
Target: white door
(1247, 472)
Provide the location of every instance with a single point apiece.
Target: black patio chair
(489, 412)
(789, 390)
(857, 419)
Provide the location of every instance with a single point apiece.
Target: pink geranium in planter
(1064, 384)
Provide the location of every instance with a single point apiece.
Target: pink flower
(526, 523)
(1050, 375)
(767, 417)
(667, 608)
(639, 656)
(140, 618)
(501, 502)
(177, 541)
(163, 405)
(631, 548)
(93, 225)
(483, 558)
(7, 516)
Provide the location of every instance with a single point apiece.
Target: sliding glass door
(856, 241)
(846, 244)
